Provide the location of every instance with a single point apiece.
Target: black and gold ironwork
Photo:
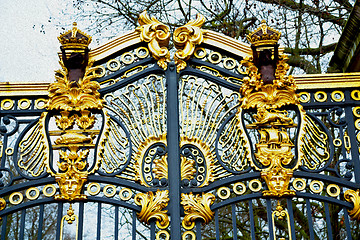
(216, 141)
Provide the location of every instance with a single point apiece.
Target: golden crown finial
(74, 38)
(264, 35)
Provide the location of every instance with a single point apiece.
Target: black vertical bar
(233, 216)
(3, 227)
(347, 224)
(198, 230)
(134, 226)
(116, 222)
(310, 221)
(291, 218)
(328, 221)
(269, 217)
(58, 221)
(98, 230)
(41, 221)
(22, 224)
(173, 148)
(81, 220)
(351, 132)
(252, 221)
(152, 230)
(217, 228)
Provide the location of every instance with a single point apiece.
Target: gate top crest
(219, 124)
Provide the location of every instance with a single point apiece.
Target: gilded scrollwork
(354, 197)
(152, 207)
(2, 204)
(186, 38)
(197, 207)
(157, 35)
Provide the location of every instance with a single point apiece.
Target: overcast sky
(28, 39)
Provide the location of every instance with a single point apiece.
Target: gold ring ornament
(200, 53)
(49, 194)
(355, 95)
(356, 111)
(304, 97)
(251, 185)
(320, 96)
(18, 201)
(93, 192)
(35, 196)
(40, 103)
(188, 233)
(221, 195)
(296, 184)
(337, 142)
(334, 95)
(331, 193)
(165, 235)
(215, 54)
(319, 184)
(24, 103)
(125, 191)
(142, 49)
(127, 58)
(7, 104)
(243, 188)
(113, 62)
(112, 193)
(229, 63)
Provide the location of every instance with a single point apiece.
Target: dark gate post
(173, 150)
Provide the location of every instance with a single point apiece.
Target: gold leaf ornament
(152, 207)
(157, 35)
(186, 38)
(354, 197)
(197, 207)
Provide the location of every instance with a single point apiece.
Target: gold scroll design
(70, 217)
(186, 38)
(280, 213)
(157, 35)
(354, 197)
(152, 207)
(34, 149)
(197, 207)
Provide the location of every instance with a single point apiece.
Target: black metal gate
(214, 144)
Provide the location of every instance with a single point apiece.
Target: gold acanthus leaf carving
(85, 96)
(354, 197)
(197, 207)
(157, 35)
(152, 207)
(186, 38)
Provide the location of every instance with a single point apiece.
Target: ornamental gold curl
(186, 38)
(354, 197)
(157, 35)
(152, 207)
(197, 207)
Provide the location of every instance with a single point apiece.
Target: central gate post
(173, 150)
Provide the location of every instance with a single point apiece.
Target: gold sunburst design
(157, 35)
(152, 207)
(186, 38)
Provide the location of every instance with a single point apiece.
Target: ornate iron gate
(217, 144)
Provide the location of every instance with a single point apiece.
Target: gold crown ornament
(264, 35)
(74, 39)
